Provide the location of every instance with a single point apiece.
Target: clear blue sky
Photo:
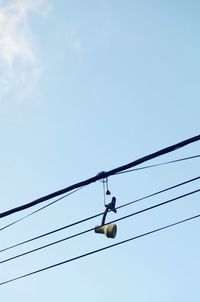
(86, 86)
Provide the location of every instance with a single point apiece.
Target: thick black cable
(38, 210)
(132, 170)
(91, 229)
(102, 175)
(101, 249)
(160, 164)
(97, 215)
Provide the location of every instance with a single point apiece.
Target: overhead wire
(102, 175)
(91, 229)
(159, 192)
(160, 164)
(66, 195)
(38, 210)
(97, 215)
(99, 250)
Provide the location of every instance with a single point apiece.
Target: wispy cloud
(20, 66)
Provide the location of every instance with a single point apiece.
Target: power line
(51, 232)
(38, 210)
(99, 214)
(160, 164)
(100, 250)
(91, 229)
(102, 175)
(159, 192)
(137, 169)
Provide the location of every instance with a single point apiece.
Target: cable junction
(99, 214)
(66, 195)
(102, 175)
(91, 229)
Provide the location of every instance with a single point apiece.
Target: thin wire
(96, 215)
(40, 209)
(100, 250)
(160, 164)
(102, 175)
(51, 232)
(159, 192)
(91, 229)
(123, 172)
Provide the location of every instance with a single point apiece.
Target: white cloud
(19, 63)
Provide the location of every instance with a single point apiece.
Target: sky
(87, 86)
